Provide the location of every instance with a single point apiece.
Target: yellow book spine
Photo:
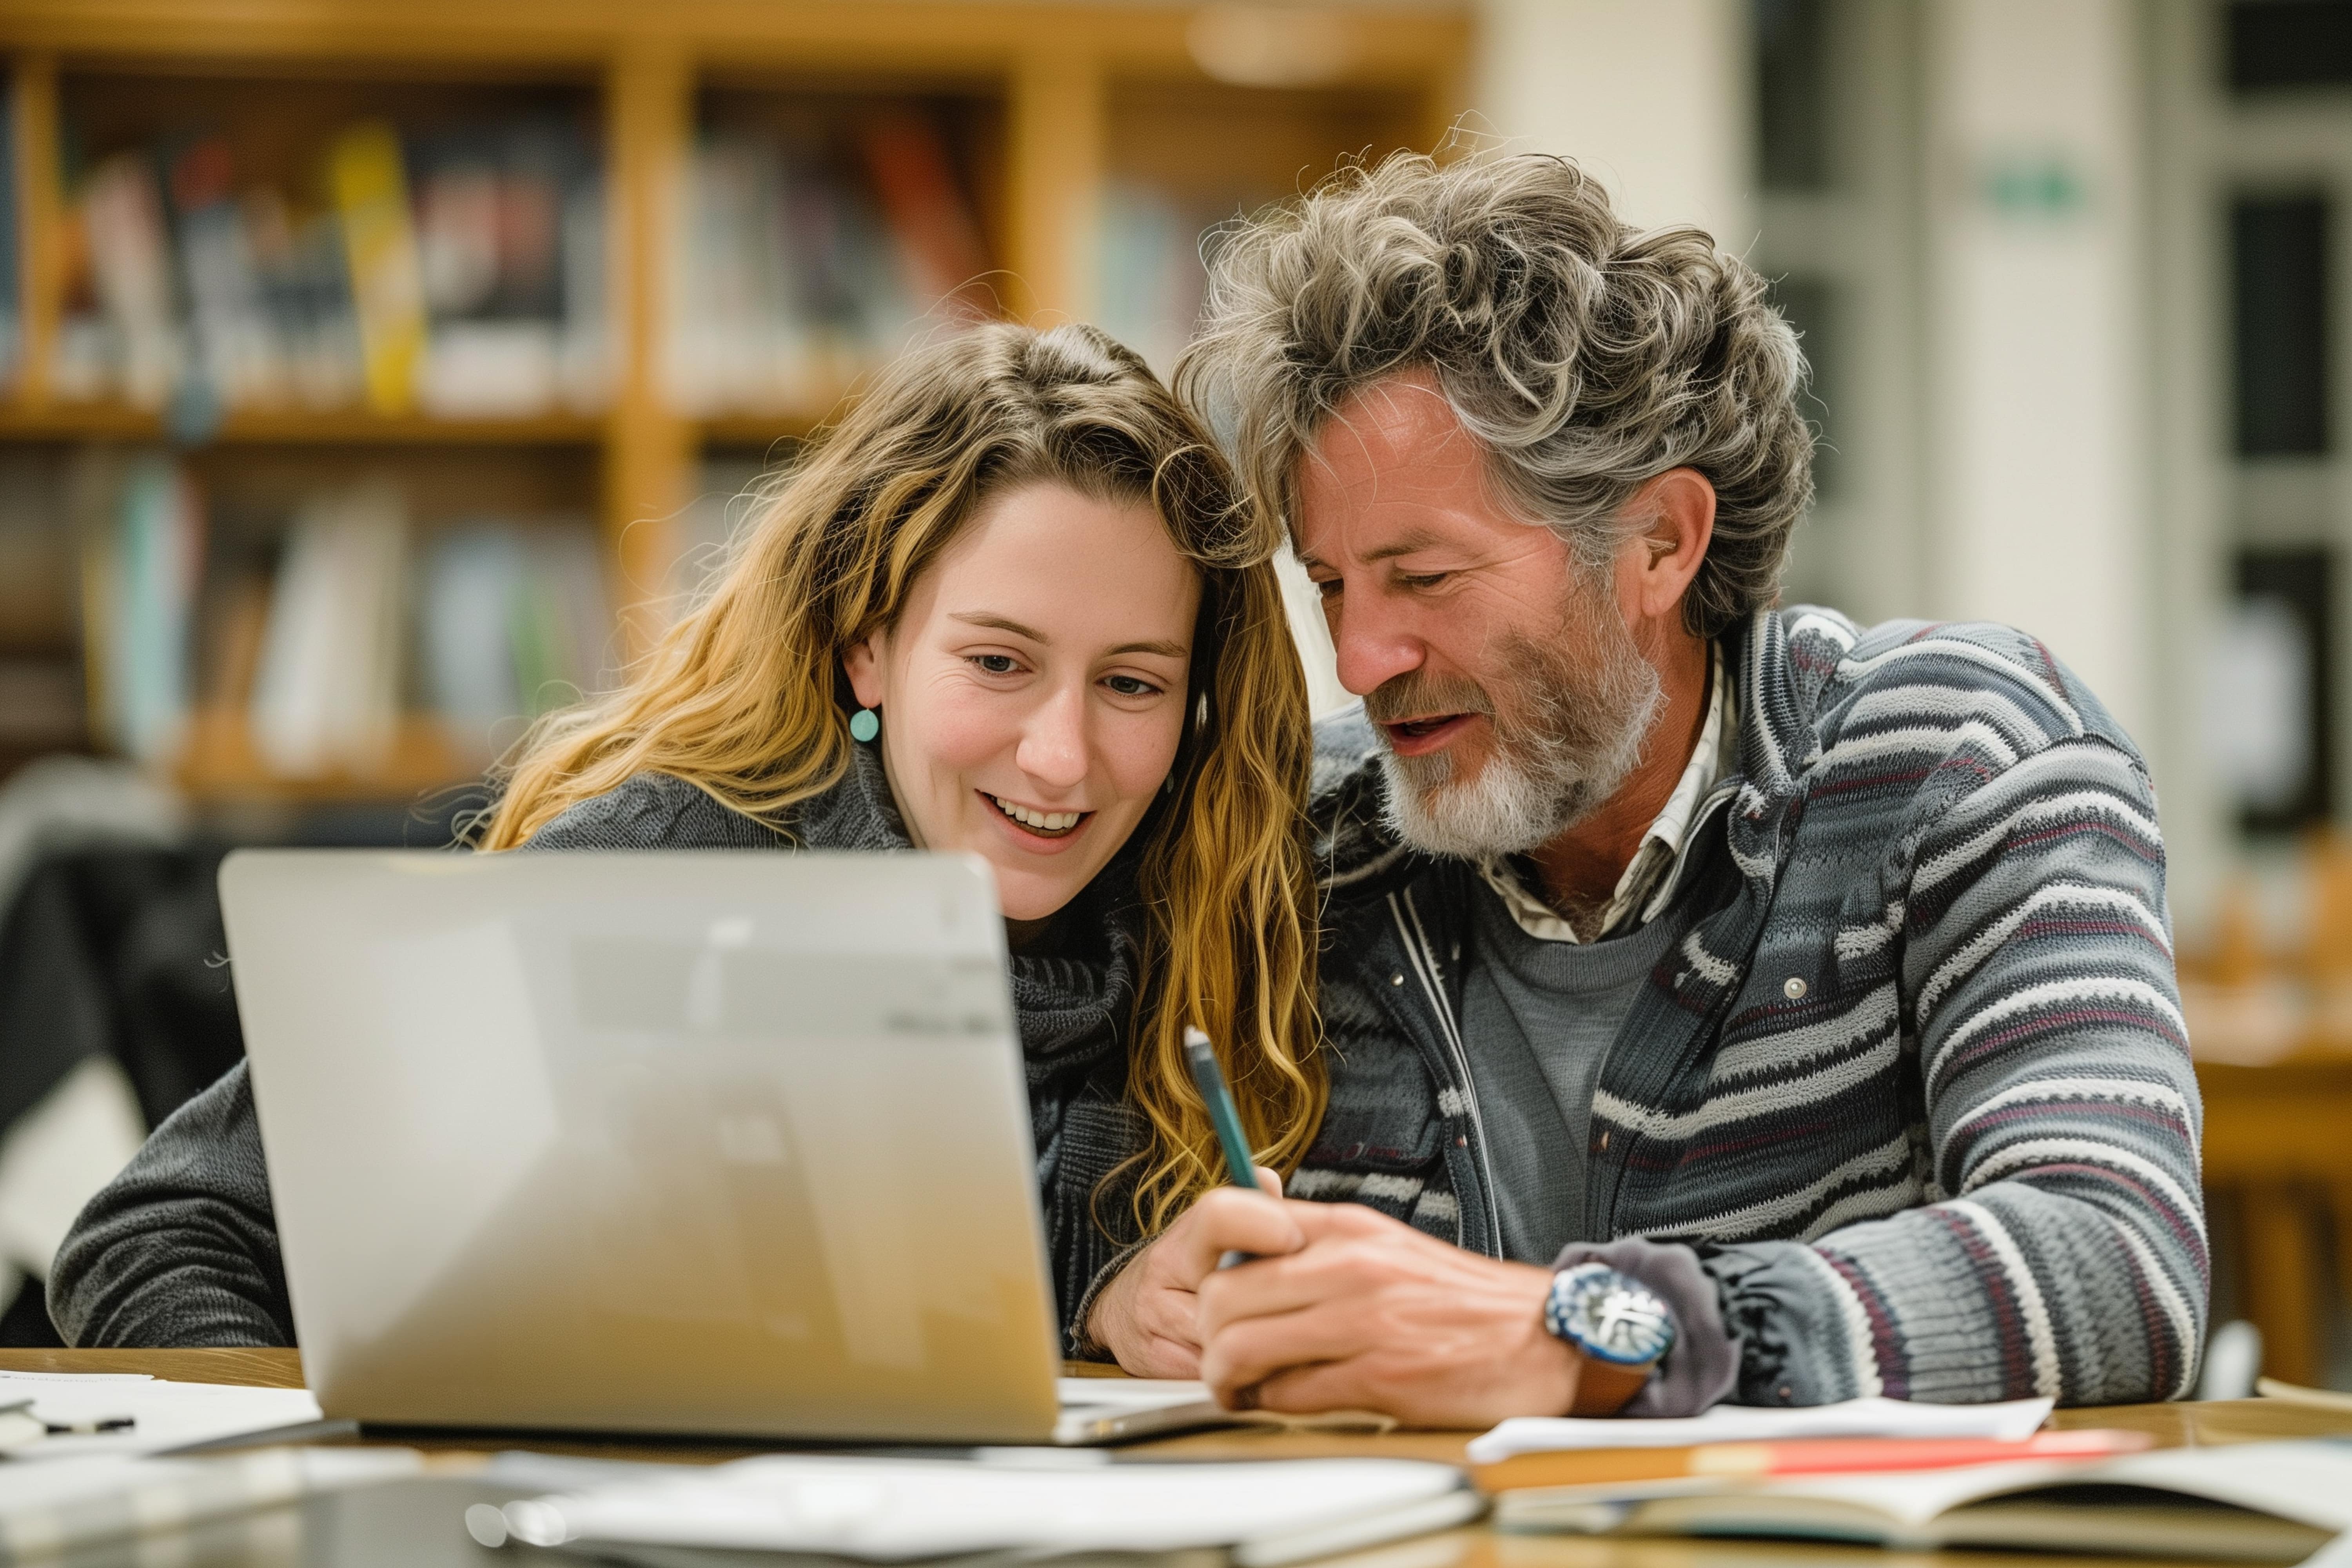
(371, 191)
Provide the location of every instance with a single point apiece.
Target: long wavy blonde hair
(745, 698)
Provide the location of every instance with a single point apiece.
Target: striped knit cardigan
(1913, 1081)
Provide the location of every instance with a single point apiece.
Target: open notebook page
(1748, 1423)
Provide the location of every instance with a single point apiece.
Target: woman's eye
(996, 663)
(1330, 589)
(1129, 686)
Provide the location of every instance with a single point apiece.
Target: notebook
(2256, 1502)
(2008, 1422)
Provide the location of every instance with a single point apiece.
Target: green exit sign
(2033, 185)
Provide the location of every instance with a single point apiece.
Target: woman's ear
(862, 662)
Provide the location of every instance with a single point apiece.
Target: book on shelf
(319, 644)
(1148, 247)
(326, 687)
(234, 616)
(371, 187)
(42, 706)
(805, 260)
(938, 239)
(122, 218)
(142, 553)
(459, 270)
(37, 610)
(229, 358)
(515, 623)
(509, 231)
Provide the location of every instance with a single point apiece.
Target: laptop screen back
(674, 1141)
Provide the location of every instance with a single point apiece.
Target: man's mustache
(1415, 695)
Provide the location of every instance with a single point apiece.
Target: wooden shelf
(1070, 95)
(300, 426)
(893, 39)
(219, 762)
(759, 429)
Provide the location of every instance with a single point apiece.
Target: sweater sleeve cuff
(1704, 1364)
(1078, 1342)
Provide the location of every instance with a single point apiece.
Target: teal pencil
(1240, 1163)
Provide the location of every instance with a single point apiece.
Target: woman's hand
(1146, 1317)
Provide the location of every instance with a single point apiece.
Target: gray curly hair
(1589, 356)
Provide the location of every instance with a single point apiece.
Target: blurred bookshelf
(373, 379)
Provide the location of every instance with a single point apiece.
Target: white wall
(2031, 277)
(1649, 94)
(2189, 503)
(2037, 452)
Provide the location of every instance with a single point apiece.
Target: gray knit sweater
(181, 1249)
(1911, 1091)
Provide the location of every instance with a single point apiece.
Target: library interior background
(375, 378)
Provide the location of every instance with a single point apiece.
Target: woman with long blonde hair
(1012, 605)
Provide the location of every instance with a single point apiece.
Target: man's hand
(1370, 1314)
(1145, 1317)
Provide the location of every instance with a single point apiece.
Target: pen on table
(1211, 1078)
(87, 1424)
(1792, 1457)
(22, 1427)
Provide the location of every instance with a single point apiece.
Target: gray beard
(1568, 734)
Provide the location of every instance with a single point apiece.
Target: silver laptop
(680, 1142)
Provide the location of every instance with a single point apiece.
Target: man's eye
(996, 663)
(1129, 686)
(1424, 580)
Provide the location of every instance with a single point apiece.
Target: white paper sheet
(899, 1509)
(2010, 1422)
(165, 1415)
(1128, 1392)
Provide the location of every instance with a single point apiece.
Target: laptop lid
(701, 1141)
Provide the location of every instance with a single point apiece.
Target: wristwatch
(1617, 1324)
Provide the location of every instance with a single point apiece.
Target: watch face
(1608, 1316)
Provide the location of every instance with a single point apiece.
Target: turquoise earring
(865, 724)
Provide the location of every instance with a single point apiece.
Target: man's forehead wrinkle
(1401, 425)
(1386, 390)
(1340, 420)
(1428, 434)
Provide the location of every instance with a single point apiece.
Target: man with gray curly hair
(1723, 1001)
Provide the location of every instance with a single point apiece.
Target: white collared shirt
(1657, 869)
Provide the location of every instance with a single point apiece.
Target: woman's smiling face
(1031, 690)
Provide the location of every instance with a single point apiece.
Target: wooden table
(2279, 1138)
(2174, 1426)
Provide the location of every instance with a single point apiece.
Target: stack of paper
(1259, 1515)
